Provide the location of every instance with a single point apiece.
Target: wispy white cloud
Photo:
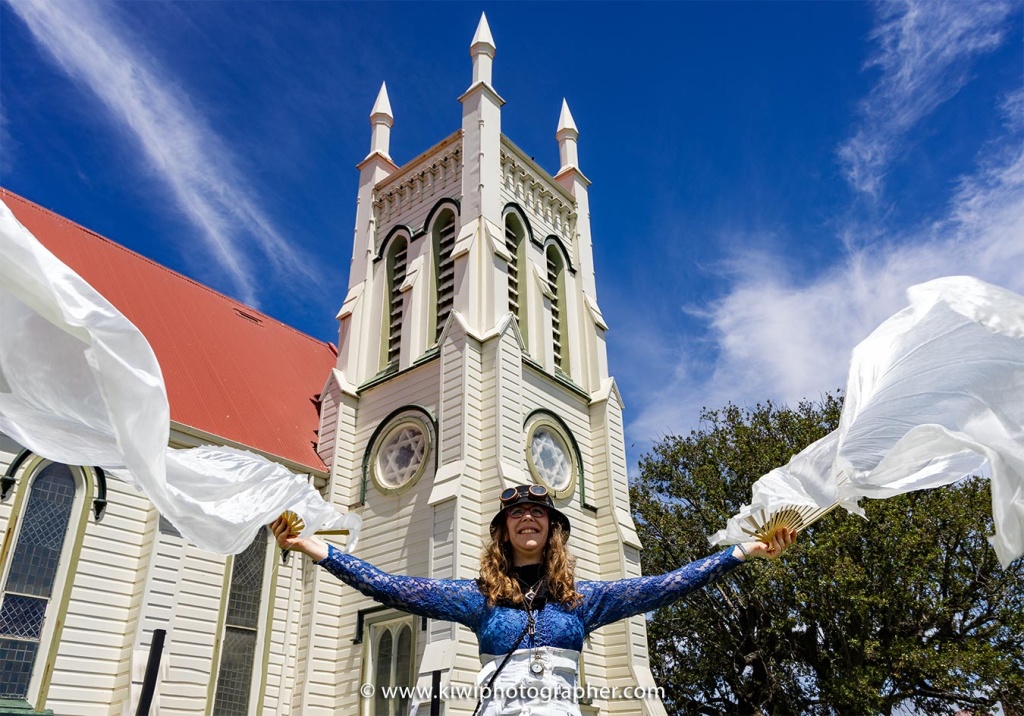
(775, 337)
(923, 51)
(177, 146)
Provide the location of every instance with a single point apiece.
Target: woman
(527, 609)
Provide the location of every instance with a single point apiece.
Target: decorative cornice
(435, 169)
(536, 191)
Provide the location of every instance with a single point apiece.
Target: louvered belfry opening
(445, 271)
(512, 244)
(396, 277)
(554, 269)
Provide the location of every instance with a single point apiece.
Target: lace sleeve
(607, 602)
(456, 600)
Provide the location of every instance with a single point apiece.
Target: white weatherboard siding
(190, 647)
(157, 593)
(91, 649)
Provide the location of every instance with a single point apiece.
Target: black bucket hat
(533, 495)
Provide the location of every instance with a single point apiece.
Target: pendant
(529, 595)
(537, 667)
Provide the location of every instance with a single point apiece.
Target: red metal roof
(230, 370)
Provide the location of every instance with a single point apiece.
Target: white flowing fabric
(934, 393)
(79, 384)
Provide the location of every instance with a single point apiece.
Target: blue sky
(768, 178)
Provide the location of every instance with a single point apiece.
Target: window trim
(67, 566)
(545, 418)
(518, 260)
(393, 294)
(393, 418)
(428, 447)
(263, 640)
(393, 620)
(557, 284)
(436, 224)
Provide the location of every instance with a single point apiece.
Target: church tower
(471, 358)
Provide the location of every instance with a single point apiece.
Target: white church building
(471, 357)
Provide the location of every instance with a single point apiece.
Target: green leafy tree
(908, 609)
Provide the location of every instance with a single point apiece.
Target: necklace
(528, 598)
(531, 592)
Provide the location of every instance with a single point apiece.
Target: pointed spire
(383, 105)
(381, 120)
(567, 134)
(482, 36)
(565, 120)
(482, 51)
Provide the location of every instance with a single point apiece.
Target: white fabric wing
(79, 384)
(934, 393)
(805, 481)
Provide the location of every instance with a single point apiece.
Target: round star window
(550, 456)
(400, 455)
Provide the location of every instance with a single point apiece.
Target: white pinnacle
(483, 35)
(565, 120)
(567, 134)
(383, 104)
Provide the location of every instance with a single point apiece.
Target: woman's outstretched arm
(607, 602)
(445, 599)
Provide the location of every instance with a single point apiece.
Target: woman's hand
(772, 549)
(314, 548)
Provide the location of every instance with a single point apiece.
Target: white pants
(534, 682)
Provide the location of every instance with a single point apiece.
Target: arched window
(516, 247)
(556, 284)
(396, 267)
(391, 660)
(36, 574)
(444, 268)
(239, 676)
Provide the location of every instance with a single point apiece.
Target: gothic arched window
(36, 574)
(390, 660)
(556, 284)
(444, 268)
(240, 670)
(396, 267)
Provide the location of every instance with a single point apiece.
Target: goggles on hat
(523, 491)
(527, 495)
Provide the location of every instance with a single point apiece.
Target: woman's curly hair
(497, 584)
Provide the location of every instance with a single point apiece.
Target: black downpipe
(156, 649)
(435, 694)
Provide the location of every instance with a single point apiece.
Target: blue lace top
(498, 627)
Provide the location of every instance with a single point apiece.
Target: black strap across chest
(530, 623)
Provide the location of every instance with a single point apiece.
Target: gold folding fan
(762, 526)
(296, 525)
